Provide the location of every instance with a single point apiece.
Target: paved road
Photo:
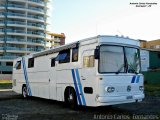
(15, 107)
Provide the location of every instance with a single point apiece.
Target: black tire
(71, 98)
(24, 92)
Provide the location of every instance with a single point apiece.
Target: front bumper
(112, 100)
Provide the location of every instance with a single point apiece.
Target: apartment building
(55, 40)
(153, 44)
(22, 30)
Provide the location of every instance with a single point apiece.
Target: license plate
(129, 97)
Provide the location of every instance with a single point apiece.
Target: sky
(79, 19)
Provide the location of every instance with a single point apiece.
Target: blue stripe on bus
(133, 79)
(26, 77)
(80, 87)
(137, 81)
(76, 88)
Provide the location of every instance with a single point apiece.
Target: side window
(30, 62)
(9, 63)
(75, 54)
(18, 65)
(52, 62)
(88, 61)
(64, 56)
(91, 61)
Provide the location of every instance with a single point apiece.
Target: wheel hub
(70, 97)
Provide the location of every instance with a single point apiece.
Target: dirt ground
(13, 107)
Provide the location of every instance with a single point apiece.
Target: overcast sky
(79, 19)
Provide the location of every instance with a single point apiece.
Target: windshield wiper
(119, 70)
(133, 69)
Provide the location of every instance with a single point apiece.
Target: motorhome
(97, 71)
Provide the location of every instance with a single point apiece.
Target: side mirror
(96, 52)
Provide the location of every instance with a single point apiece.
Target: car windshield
(117, 59)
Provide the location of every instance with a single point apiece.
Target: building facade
(55, 40)
(150, 54)
(22, 30)
(154, 44)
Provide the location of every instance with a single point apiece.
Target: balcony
(1, 48)
(21, 50)
(23, 41)
(9, 57)
(16, 23)
(35, 33)
(16, 6)
(15, 40)
(1, 31)
(2, 23)
(55, 44)
(36, 17)
(2, 6)
(16, 48)
(56, 39)
(16, 14)
(37, 1)
(18, 0)
(34, 49)
(36, 42)
(36, 9)
(15, 31)
(36, 25)
(2, 14)
(2, 40)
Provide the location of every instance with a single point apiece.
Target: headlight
(141, 88)
(109, 89)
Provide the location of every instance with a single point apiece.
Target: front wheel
(24, 92)
(72, 99)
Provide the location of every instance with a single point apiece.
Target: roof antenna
(120, 33)
(96, 28)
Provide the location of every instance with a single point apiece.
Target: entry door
(88, 75)
(88, 67)
(52, 80)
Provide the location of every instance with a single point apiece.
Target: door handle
(83, 78)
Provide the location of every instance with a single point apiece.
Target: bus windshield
(119, 59)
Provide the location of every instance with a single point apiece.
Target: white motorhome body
(98, 71)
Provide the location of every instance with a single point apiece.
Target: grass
(6, 86)
(152, 89)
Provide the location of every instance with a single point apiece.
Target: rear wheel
(24, 92)
(71, 98)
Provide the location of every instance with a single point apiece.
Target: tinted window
(9, 63)
(74, 54)
(52, 62)
(64, 56)
(30, 62)
(18, 65)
